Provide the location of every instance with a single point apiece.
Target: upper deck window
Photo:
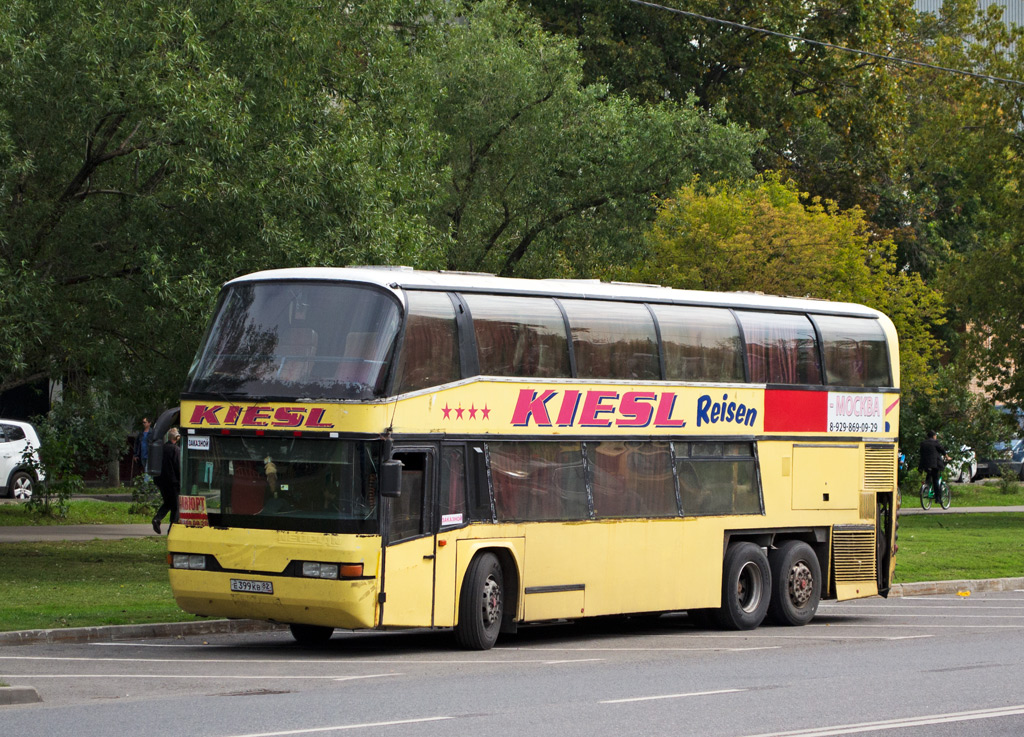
(430, 348)
(700, 343)
(613, 340)
(293, 339)
(781, 348)
(519, 336)
(855, 351)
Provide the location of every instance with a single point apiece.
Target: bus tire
(311, 635)
(746, 587)
(796, 584)
(481, 604)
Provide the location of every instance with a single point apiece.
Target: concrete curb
(10, 695)
(116, 633)
(931, 588)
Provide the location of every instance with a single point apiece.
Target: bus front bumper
(345, 604)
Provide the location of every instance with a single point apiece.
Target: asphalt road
(932, 665)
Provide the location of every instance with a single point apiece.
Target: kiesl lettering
(595, 408)
(710, 412)
(218, 415)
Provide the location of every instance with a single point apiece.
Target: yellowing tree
(767, 236)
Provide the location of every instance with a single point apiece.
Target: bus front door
(408, 580)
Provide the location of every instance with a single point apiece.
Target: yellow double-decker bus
(384, 447)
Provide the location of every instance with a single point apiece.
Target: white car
(17, 476)
(964, 466)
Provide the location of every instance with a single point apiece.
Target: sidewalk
(77, 533)
(913, 506)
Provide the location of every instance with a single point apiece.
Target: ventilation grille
(854, 553)
(879, 467)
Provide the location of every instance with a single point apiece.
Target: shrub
(1007, 483)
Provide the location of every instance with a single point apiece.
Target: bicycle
(928, 496)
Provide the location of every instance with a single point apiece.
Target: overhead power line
(825, 44)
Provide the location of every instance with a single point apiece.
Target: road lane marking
(903, 723)
(341, 727)
(724, 649)
(979, 605)
(289, 661)
(672, 696)
(196, 677)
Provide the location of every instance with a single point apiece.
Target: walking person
(169, 480)
(142, 446)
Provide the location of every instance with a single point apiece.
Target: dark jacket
(933, 455)
(169, 479)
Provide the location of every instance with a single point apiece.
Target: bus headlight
(320, 570)
(312, 569)
(189, 562)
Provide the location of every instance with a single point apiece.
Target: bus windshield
(285, 483)
(291, 339)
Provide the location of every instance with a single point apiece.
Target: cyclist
(932, 460)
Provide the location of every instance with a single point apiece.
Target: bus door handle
(428, 557)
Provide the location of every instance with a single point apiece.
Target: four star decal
(473, 412)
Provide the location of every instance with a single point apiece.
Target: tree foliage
(770, 237)
(542, 168)
(833, 120)
(149, 151)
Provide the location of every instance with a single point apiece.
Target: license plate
(252, 587)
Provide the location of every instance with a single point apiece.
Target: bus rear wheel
(796, 584)
(481, 604)
(311, 635)
(746, 583)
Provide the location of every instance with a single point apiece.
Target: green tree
(833, 120)
(151, 150)
(769, 237)
(547, 174)
(964, 194)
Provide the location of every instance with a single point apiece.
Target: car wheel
(21, 485)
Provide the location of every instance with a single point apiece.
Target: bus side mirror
(391, 479)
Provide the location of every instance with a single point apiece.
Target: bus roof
(397, 278)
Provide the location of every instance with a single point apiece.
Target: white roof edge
(399, 278)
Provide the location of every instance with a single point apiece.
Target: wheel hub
(491, 601)
(748, 587)
(801, 583)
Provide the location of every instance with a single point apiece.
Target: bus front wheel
(796, 584)
(481, 604)
(746, 585)
(311, 635)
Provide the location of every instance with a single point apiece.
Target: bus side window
(452, 494)
(632, 479)
(407, 511)
(537, 481)
(700, 343)
(430, 348)
(855, 351)
(717, 478)
(479, 495)
(613, 340)
(519, 336)
(781, 349)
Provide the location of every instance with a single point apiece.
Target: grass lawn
(80, 512)
(79, 584)
(986, 494)
(954, 546)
